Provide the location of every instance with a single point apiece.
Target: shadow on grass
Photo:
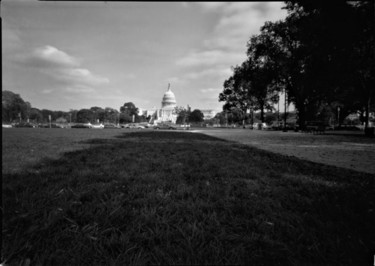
(186, 198)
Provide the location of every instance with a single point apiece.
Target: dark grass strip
(186, 198)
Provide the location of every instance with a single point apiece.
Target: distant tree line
(15, 109)
(321, 55)
(186, 116)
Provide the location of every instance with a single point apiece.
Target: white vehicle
(134, 126)
(265, 126)
(100, 126)
(7, 126)
(260, 126)
(88, 125)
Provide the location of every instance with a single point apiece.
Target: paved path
(351, 150)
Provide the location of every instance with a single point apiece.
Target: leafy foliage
(321, 54)
(196, 116)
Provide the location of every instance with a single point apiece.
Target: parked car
(7, 126)
(260, 126)
(165, 126)
(276, 125)
(50, 126)
(145, 124)
(133, 126)
(98, 126)
(111, 126)
(81, 125)
(185, 126)
(25, 124)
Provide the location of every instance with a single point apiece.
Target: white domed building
(166, 113)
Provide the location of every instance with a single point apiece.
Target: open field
(350, 150)
(23, 147)
(128, 197)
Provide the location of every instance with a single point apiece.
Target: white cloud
(82, 75)
(51, 55)
(210, 73)
(211, 90)
(209, 57)
(240, 20)
(47, 91)
(212, 6)
(10, 39)
(63, 67)
(130, 76)
(79, 89)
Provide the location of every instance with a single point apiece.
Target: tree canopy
(321, 55)
(196, 116)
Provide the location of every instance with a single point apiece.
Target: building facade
(167, 111)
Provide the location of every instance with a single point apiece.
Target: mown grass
(185, 198)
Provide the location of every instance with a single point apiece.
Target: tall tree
(85, 116)
(14, 107)
(196, 116)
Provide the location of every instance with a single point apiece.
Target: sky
(74, 55)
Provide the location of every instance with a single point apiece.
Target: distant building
(208, 113)
(166, 112)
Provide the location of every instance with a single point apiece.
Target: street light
(285, 130)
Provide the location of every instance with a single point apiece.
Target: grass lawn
(158, 197)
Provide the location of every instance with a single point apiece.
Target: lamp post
(338, 116)
(278, 109)
(284, 129)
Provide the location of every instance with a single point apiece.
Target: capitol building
(167, 111)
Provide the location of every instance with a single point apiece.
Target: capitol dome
(169, 100)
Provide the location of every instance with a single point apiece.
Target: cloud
(130, 76)
(240, 20)
(212, 6)
(209, 57)
(10, 39)
(49, 56)
(215, 73)
(63, 67)
(237, 22)
(79, 89)
(211, 90)
(47, 91)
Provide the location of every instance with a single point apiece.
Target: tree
(14, 107)
(111, 115)
(98, 113)
(85, 116)
(182, 114)
(252, 85)
(46, 114)
(125, 118)
(36, 115)
(73, 115)
(328, 50)
(196, 116)
(128, 110)
(221, 118)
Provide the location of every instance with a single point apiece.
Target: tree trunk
(262, 113)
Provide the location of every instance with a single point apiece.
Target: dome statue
(169, 100)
